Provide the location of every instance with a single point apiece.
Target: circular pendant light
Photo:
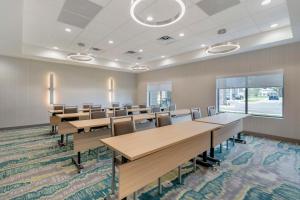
(80, 57)
(139, 68)
(223, 48)
(150, 22)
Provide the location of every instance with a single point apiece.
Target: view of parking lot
(261, 101)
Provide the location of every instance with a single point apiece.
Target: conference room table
(231, 125)
(154, 152)
(84, 139)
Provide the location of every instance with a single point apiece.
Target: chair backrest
(58, 107)
(155, 109)
(97, 107)
(115, 104)
(128, 106)
(70, 109)
(120, 113)
(122, 127)
(144, 111)
(87, 105)
(142, 106)
(172, 107)
(196, 113)
(163, 119)
(97, 114)
(211, 110)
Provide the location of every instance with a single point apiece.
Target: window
(159, 94)
(260, 94)
(232, 100)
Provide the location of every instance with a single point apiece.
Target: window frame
(247, 103)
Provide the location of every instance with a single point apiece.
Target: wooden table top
(106, 121)
(139, 144)
(223, 118)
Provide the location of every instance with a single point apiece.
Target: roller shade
(231, 82)
(160, 86)
(264, 80)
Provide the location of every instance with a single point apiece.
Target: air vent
(130, 52)
(222, 31)
(212, 7)
(95, 49)
(78, 13)
(166, 40)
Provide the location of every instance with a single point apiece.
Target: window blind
(160, 86)
(264, 80)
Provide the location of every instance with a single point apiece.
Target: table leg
(77, 162)
(61, 141)
(179, 175)
(159, 186)
(239, 139)
(113, 174)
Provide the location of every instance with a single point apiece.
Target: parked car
(273, 97)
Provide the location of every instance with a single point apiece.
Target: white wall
(195, 84)
(24, 96)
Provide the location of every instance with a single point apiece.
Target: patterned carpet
(32, 166)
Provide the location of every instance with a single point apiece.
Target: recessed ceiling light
(141, 50)
(265, 2)
(203, 45)
(274, 25)
(137, 63)
(55, 48)
(110, 42)
(181, 34)
(163, 56)
(149, 18)
(68, 30)
(116, 60)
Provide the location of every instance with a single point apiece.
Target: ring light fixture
(153, 23)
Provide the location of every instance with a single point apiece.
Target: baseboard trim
(26, 126)
(273, 137)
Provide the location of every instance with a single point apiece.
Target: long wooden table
(232, 124)
(86, 140)
(154, 152)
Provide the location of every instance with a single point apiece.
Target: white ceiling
(41, 31)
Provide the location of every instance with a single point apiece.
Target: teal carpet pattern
(32, 166)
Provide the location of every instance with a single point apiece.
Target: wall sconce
(111, 88)
(51, 89)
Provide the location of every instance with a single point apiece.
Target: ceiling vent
(78, 13)
(95, 49)
(130, 52)
(212, 7)
(166, 40)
